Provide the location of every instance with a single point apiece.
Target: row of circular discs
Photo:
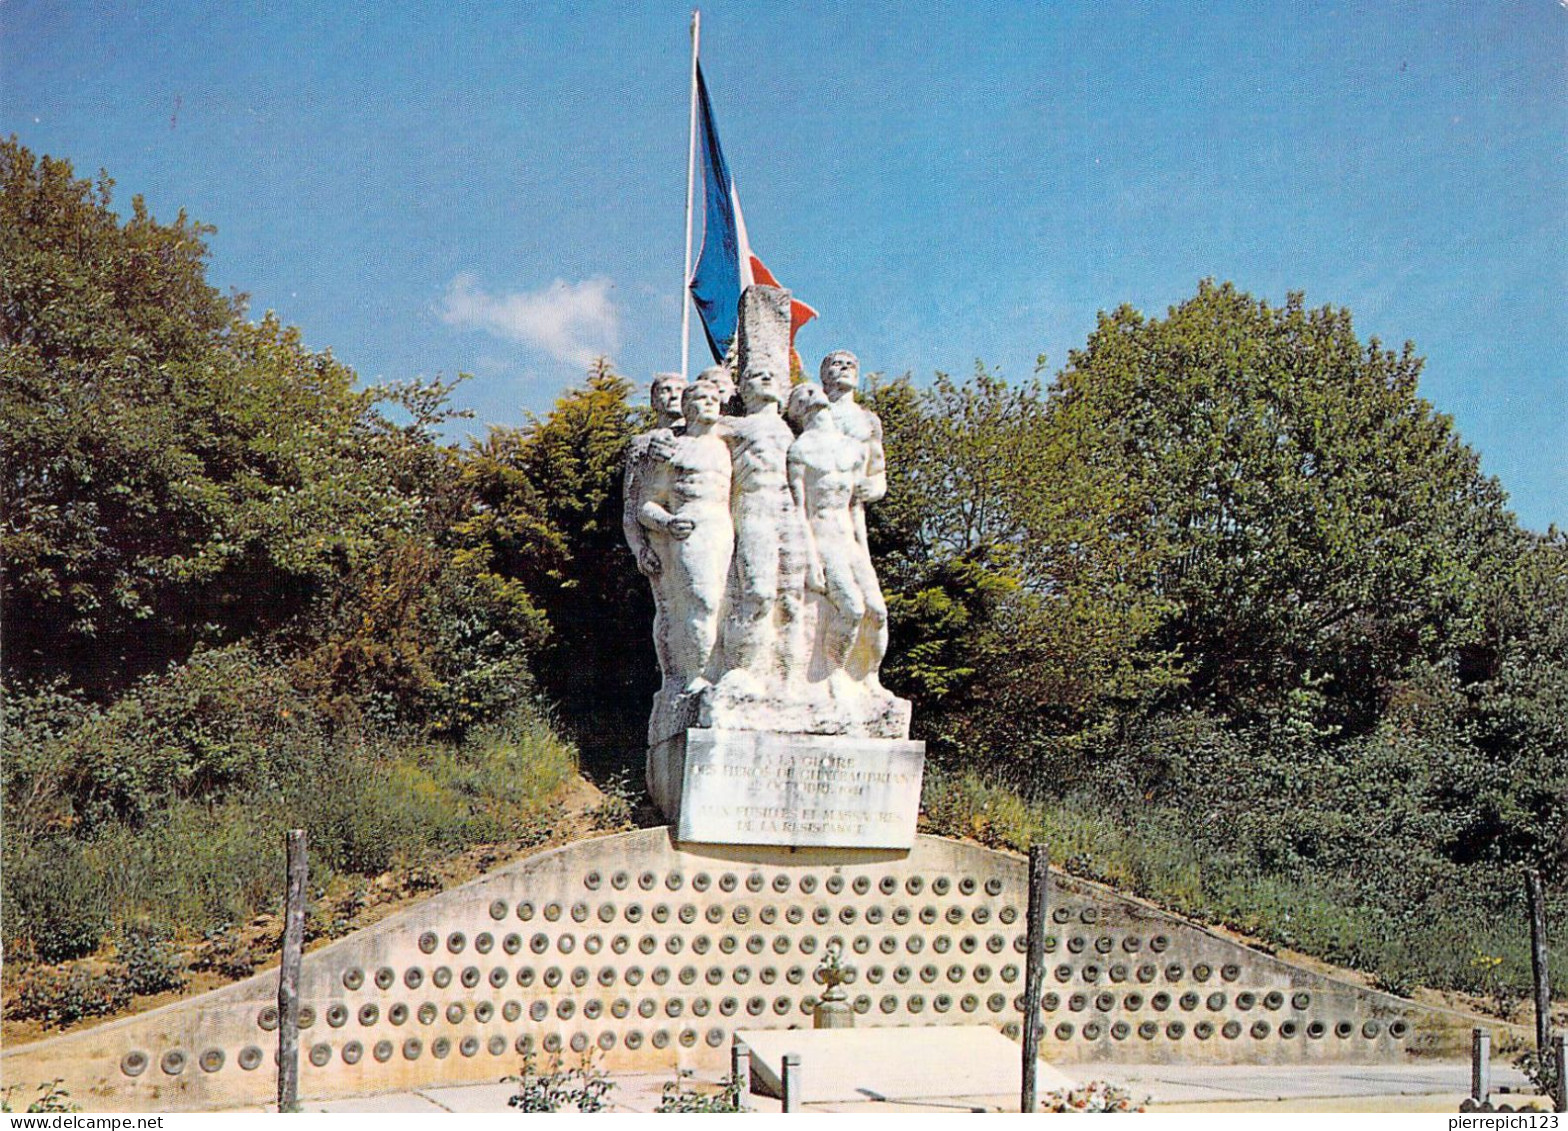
(872, 970)
(582, 911)
(174, 1062)
(807, 883)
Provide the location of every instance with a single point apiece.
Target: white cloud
(572, 322)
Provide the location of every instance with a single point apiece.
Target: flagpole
(691, 165)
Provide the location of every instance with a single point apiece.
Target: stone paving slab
(393, 1103)
(467, 1099)
(1424, 1087)
(1193, 1083)
(857, 1065)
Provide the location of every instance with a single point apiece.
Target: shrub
(678, 1096)
(60, 997)
(51, 1098)
(1365, 919)
(224, 722)
(614, 813)
(425, 640)
(223, 952)
(53, 908)
(148, 961)
(203, 866)
(369, 804)
(432, 797)
(582, 1089)
(1542, 1069)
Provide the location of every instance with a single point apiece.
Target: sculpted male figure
(762, 630)
(840, 379)
(825, 467)
(687, 499)
(729, 404)
(645, 544)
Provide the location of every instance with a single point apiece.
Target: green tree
(174, 474)
(548, 515)
(1508, 787)
(1238, 514)
(1313, 524)
(1018, 624)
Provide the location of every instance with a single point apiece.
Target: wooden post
(740, 1070)
(288, 972)
(1543, 982)
(792, 1081)
(1560, 1052)
(1480, 1065)
(1034, 974)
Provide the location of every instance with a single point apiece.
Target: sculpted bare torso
(688, 501)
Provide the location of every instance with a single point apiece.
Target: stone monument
(771, 731)
(771, 726)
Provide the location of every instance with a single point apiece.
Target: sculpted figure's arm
(661, 445)
(658, 518)
(633, 488)
(655, 513)
(873, 485)
(816, 578)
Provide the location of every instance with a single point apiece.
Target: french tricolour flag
(726, 265)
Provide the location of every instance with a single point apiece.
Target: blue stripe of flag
(716, 283)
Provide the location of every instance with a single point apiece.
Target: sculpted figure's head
(805, 401)
(701, 402)
(666, 396)
(840, 373)
(759, 387)
(720, 376)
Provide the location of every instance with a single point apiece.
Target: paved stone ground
(1433, 1087)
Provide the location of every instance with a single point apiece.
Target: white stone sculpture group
(747, 516)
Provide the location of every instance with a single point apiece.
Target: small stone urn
(833, 1010)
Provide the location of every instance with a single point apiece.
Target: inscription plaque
(763, 787)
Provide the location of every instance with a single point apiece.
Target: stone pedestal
(833, 1013)
(722, 786)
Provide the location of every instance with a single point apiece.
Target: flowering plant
(1095, 1096)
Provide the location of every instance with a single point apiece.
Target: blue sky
(498, 189)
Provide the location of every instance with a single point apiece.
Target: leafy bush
(1541, 1068)
(425, 640)
(226, 721)
(614, 813)
(367, 804)
(677, 1096)
(51, 1098)
(200, 867)
(433, 797)
(223, 952)
(580, 1089)
(148, 962)
(61, 997)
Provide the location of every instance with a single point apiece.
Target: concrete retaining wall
(652, 955)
